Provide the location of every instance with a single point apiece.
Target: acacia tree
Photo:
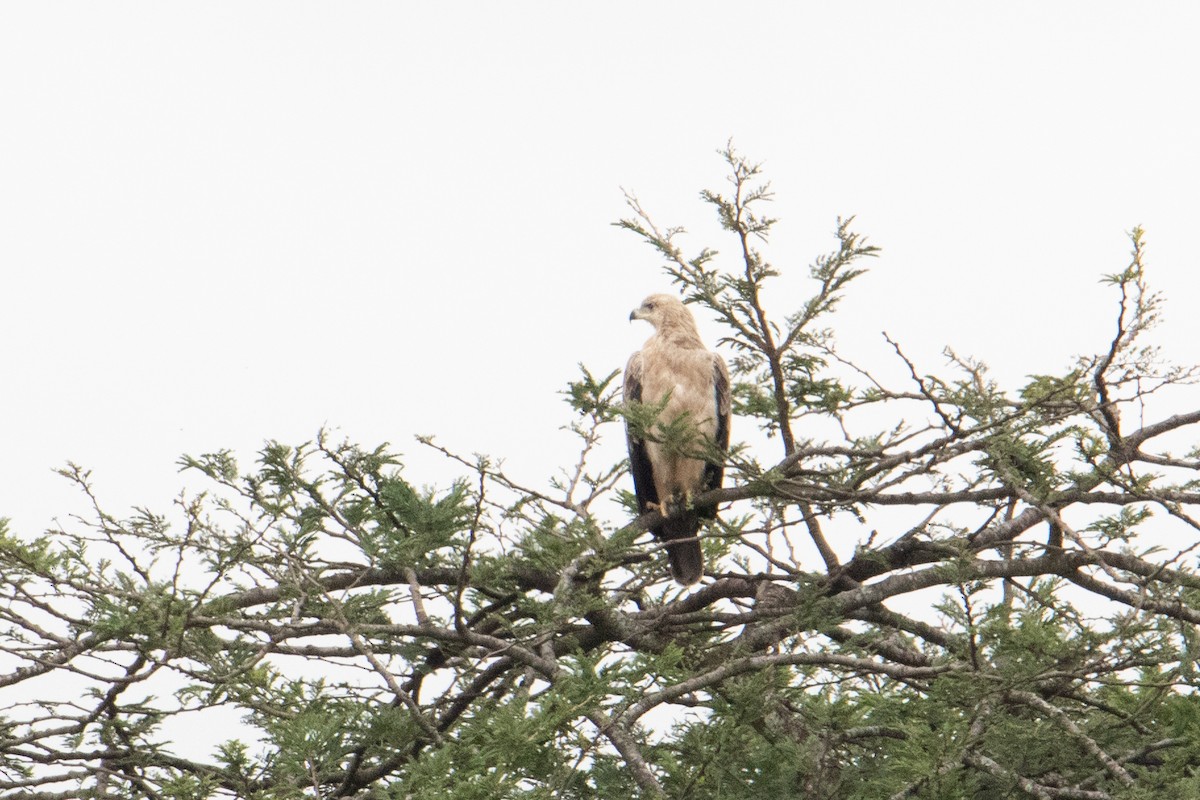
(956, 589)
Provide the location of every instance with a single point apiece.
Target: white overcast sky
(225, 222)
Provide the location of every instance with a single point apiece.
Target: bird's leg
(676, 504)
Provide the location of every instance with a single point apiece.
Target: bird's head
(658, 309)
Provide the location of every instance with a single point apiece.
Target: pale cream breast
(686, 375)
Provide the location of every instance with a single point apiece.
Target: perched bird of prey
(674, 368)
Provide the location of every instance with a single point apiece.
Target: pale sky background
(227, 222)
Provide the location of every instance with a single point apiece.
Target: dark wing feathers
(639, 459)
(714, 473)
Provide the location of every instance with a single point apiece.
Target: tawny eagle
(673, 368)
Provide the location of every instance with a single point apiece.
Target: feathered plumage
(674, 367)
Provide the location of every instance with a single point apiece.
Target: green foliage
(590, 395)
(937, 588)
(1121, 526)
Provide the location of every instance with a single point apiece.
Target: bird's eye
(649, 306)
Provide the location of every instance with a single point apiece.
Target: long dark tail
(686, 558)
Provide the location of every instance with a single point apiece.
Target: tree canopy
(937, 588)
